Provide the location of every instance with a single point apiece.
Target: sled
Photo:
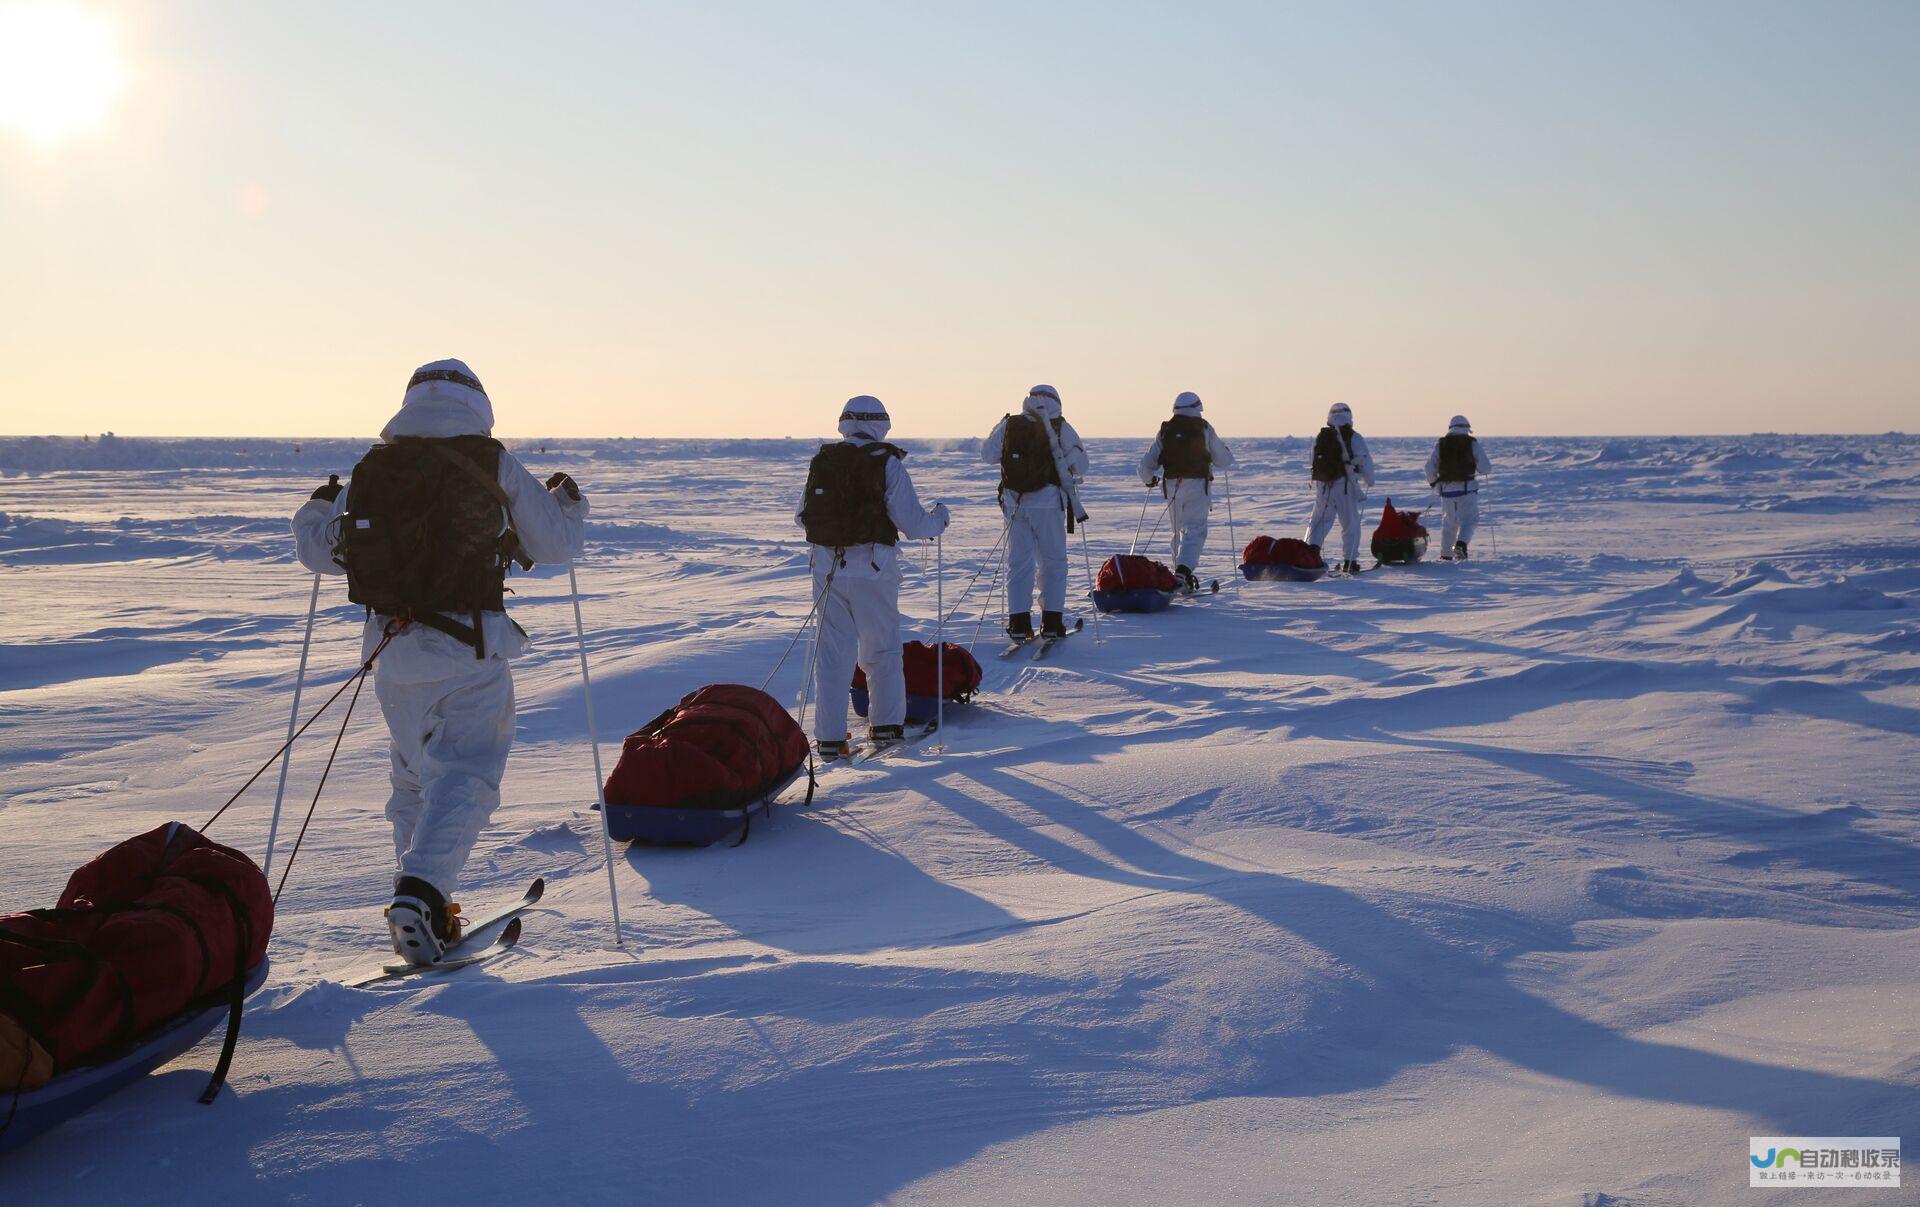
(1400, 553)
(918, 669)
(921, 710)
(1279, 572)
(1281, 560)
(703, 769)
(1133, 599)
(74, 1091)
(1401, 539)
(664, 826)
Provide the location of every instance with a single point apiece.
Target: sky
(723, 219)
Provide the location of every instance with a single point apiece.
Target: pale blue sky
(725, 218)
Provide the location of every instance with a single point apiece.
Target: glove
(563, 482)
(940, 513)
(331, 491)
(1153, 481)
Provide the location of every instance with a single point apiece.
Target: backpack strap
(510, 546)
(466, 465)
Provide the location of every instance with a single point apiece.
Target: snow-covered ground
(1551, 878)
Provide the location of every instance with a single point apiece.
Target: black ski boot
(886, 735)
(831, 750)
(1053, 624)
(1020, 625)
(1188, 582)
(1459, 551)
(421, 921)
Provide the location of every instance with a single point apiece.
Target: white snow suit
(450, 715)
(1342, 500)
(1037, 520)
(1189, 500)
(1459, 501)
(858, 593)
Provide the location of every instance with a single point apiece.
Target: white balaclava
(1187, 404)
(866, 417)
(1340, 415)
(1044, 401)
(1459, 424)
(443, 398)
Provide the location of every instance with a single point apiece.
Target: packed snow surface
(1550, 877)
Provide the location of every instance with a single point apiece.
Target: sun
(59, 68)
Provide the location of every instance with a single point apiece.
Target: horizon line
(88, 436)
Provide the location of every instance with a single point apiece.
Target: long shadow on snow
(857, 895)
(1415, 998)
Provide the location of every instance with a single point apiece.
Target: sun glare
(59, 68)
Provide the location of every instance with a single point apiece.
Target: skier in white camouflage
(1041, 460)
(1454, 470)
(424, 532)
(858, 503)
(1181, 461)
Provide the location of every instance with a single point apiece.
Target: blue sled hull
(1276, 573)
(77, 1090)
(919, 708)
(1133, 599)
(690, 827)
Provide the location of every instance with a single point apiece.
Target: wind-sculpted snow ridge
(607, 536)
(32, 540)
(1546, 877)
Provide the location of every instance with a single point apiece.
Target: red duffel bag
(146, 929)
(1280, 551)
(1129, 572)
(721, 747)
(961, 676)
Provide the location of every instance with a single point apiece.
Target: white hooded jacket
(915, 522)
(552, 527)
(1361, 466)
(1459, 427)
(1217, 450)
(1046, 408)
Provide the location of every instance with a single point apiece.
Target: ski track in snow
(1550, 877)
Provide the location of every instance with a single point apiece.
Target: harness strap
(242, 944)
(461, 633)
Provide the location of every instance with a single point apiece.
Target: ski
(1016, 645)
(504, 941)
(869, 752)
(457, 956)
(1212, 588)
(1047, 643)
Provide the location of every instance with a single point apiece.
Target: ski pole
(299, 683)
(1232, 539)
(1086, 559)
(593, 741)
(939, 630)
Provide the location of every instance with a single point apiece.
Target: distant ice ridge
(39, 454)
